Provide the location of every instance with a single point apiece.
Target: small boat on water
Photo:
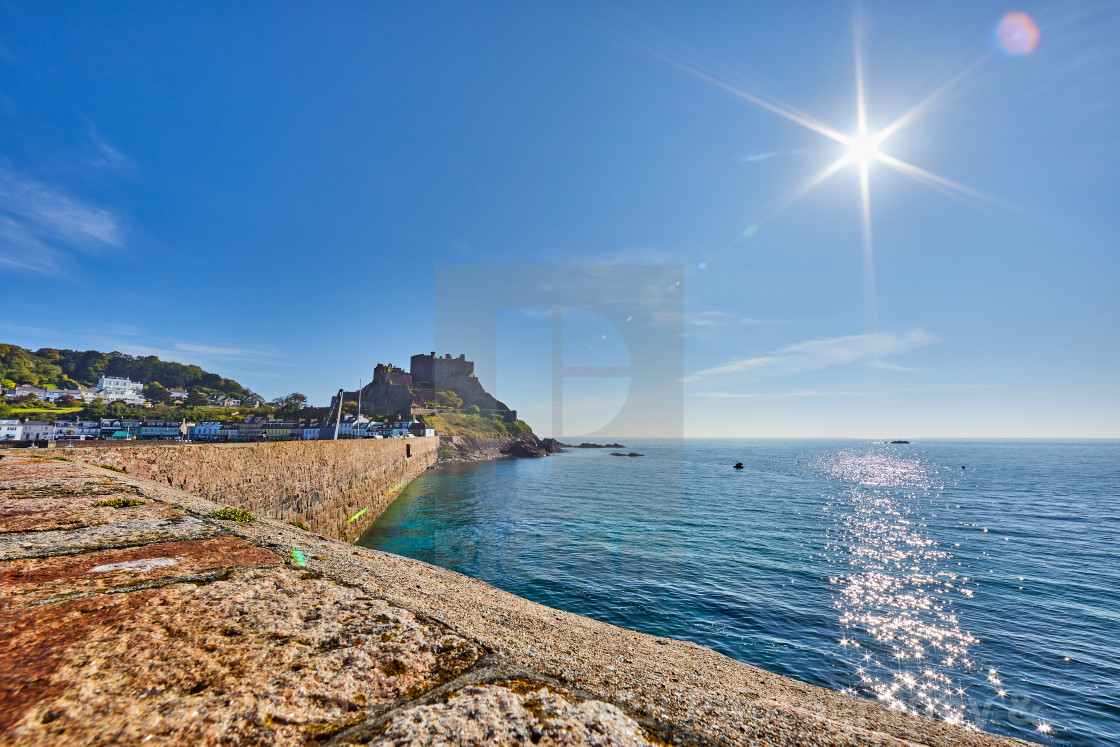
(738, 465)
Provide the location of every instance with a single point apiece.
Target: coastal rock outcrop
(553, 446)
(468, 449)
(528, 446)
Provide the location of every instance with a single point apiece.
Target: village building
(120, 389)
(164, 430)
(208, 430)
(38, 430)
(11, 430)
(76, 430)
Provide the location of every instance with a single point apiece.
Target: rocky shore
(465, 449)
(131, 614)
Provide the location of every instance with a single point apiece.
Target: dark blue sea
(988, 595)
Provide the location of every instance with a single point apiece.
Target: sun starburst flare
(864, 149)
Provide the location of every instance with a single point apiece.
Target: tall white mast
(338, 422)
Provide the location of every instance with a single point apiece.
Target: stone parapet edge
(680, 692)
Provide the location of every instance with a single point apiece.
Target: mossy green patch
(231, 514)
(120, 502)
(110, 467)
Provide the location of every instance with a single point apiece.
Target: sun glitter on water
(895, 588)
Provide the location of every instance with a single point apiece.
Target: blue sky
(267, 190)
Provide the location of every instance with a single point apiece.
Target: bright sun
(862, 149)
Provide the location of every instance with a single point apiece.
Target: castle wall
(453, 374)
(320, 483)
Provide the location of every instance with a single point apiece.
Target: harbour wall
(131, 615)
(319, 483)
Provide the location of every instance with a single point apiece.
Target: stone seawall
(131, 615)
(319, 483)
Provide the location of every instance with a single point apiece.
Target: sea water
(976, 582)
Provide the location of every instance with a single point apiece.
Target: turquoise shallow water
(988, 595)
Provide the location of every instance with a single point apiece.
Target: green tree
(197, 399)
(157, 393)
(94, 410)
(290, 404)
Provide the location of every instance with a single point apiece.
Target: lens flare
(1016, 34)
(862, 149)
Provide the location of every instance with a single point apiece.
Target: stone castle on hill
(418, 390)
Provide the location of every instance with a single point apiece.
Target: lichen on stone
(394, 668)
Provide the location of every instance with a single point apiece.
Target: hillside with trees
(69, 369)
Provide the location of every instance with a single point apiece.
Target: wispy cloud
(716, 319)
(108, 156)
(779, 395)
(890, 366)
(710, 324)
(215, 351)
(947, 388)
(200, 354)
(773, 154)
(721, 318)
(41, 224)
(814, 355)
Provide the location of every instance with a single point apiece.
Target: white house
(225, 401)
(117, 389)
(398, 429)
(38, 430)
(22, 390)
(349, 427)
(43, 394)
(86, 393)
(11, 430)
(76, 430)
(308, 434)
